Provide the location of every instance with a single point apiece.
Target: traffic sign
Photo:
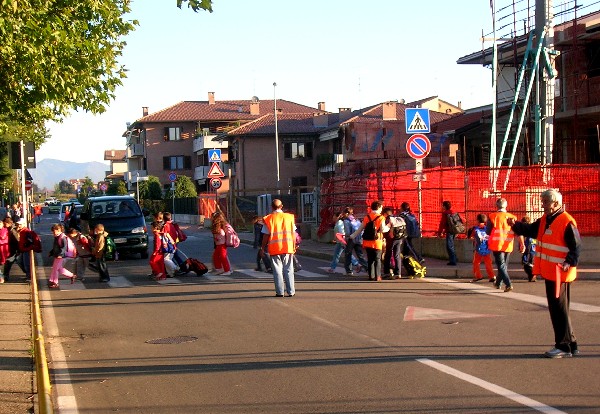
(28, 185)
(215, 183)
(214, 155)
(417, 120)
(215, 171)
(103, 187)
(418, 146)
(172, 177)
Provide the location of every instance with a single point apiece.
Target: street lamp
(276, 133)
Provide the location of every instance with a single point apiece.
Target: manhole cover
(172, 340)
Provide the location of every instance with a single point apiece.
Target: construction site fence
(471, 191)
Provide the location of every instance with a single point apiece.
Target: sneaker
(533, 278)
(330, 270)
(492, 280)
(229, 273)
(477, 279)
(52, 285)
(496, 285)
(575, 352)
(557, 353)
(216, 271)
(1, 279)
(349, 274)
(508, 289)
(379, 278)
(269, 270)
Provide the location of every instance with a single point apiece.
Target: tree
(197, 4)
(64, 187)
(117, 188)
(184, 187)
(58, 56)
(150, 189)
(86, 188)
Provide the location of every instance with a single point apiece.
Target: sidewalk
(16, 358)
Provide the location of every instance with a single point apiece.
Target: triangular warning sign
(214, 157)
(426, 314)
(215, 171)
(417, 124)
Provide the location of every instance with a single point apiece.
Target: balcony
(131, 176)
(135, 150)
(327, 162)
(204, 142)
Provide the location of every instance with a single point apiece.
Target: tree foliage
(59, 55)
(184, 187)
(150, 189)
(117, 188)
(197, 5)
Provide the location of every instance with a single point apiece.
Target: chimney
(389, 111)
(459, 105)
(254, 108)
(320, 120)
(321, 106)
(345, 113)
(144, 111)
(211, 98)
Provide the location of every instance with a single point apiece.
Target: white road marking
(66, 285)
(488, 386)
(523, 297)
(263, 275)
(119, 282)
(170, 281)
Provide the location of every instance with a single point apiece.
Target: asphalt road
(227, 345)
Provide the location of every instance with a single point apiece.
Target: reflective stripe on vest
(502, 236)
(551, 249)
(282, 237)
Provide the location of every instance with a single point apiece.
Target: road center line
(511, 395)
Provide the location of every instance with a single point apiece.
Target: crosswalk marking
(119, 282)
(263, 275)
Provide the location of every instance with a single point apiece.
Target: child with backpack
(100, 251)
(258, 224)
(157, 263)
(4, 251)
(220, 259)
(481, 252)
(84, 252)
(528, 245)
(62, 248)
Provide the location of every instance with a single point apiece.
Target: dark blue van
(123, 220)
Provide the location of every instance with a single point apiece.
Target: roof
(193, 111)
(115, 155)
(375, 113)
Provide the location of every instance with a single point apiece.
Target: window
(299, 182)
(177, 162)
(593, 56)
(173, 134)
(297, 150)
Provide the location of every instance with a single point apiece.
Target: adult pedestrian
(444, 229)
(354, 246)
(374, 226)
(556, 259)
(279, 241)
(37, 211)
(501, 242)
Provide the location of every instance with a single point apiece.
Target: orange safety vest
(551, 249)
(282, 237)
(502, 237)
(377, 219)
(38, 210)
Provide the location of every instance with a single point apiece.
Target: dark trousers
(357, 249)
(450, 248)
(263, 259)
(408, 249)
(501, 259)
(564, 337)
(102, 269)
(373, 263)
(392, 250)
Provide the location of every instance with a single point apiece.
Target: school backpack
(398, 227)
(33, 239)
(455, 224)
(231, 237)
(110, 249)
(167, 244)
(370, 232)
(181, 236)
(71, 249)
(196, 266)
(413, 229)
(481, 241)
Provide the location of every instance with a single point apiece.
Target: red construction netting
(471, 191)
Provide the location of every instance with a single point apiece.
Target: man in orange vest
(280, 243)
(37, 210)
(556, 258)
(373, 227)
(501, 242)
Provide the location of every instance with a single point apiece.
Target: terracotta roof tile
(114, 155)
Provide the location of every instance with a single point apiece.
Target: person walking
(4, 250)
(354, 246)
(444, 229)
(37, 211)
(413, 231)
(13, 248)
(84, 252)
(393, 243)
(258, 223)
(219, 257)
(481, 251)
(374, 226)
(279, 241)
(62, 247)
(157, 262)
(99, 251)
(501, 242)
(339, 240)
(557, 256)
(25, 247)
(527, 249)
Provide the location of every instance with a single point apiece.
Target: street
(219, 344)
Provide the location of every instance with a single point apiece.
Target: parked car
(53, 205)
(123, 220)
(64, 208)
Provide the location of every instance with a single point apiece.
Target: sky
(346, 53)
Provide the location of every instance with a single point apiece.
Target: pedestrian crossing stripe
(417, 120)
(414, 313)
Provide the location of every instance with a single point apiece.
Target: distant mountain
(49, 172)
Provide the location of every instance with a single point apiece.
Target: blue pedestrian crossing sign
(214, 155)
(417, 120)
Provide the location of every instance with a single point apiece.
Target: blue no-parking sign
(418, 146)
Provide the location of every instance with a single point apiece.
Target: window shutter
(166, 134)
(166, 163)
(308, 150)
(287, 150)
(187, 162)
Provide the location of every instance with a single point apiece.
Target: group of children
(481, 252)
(166, 259)
(73, 252)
